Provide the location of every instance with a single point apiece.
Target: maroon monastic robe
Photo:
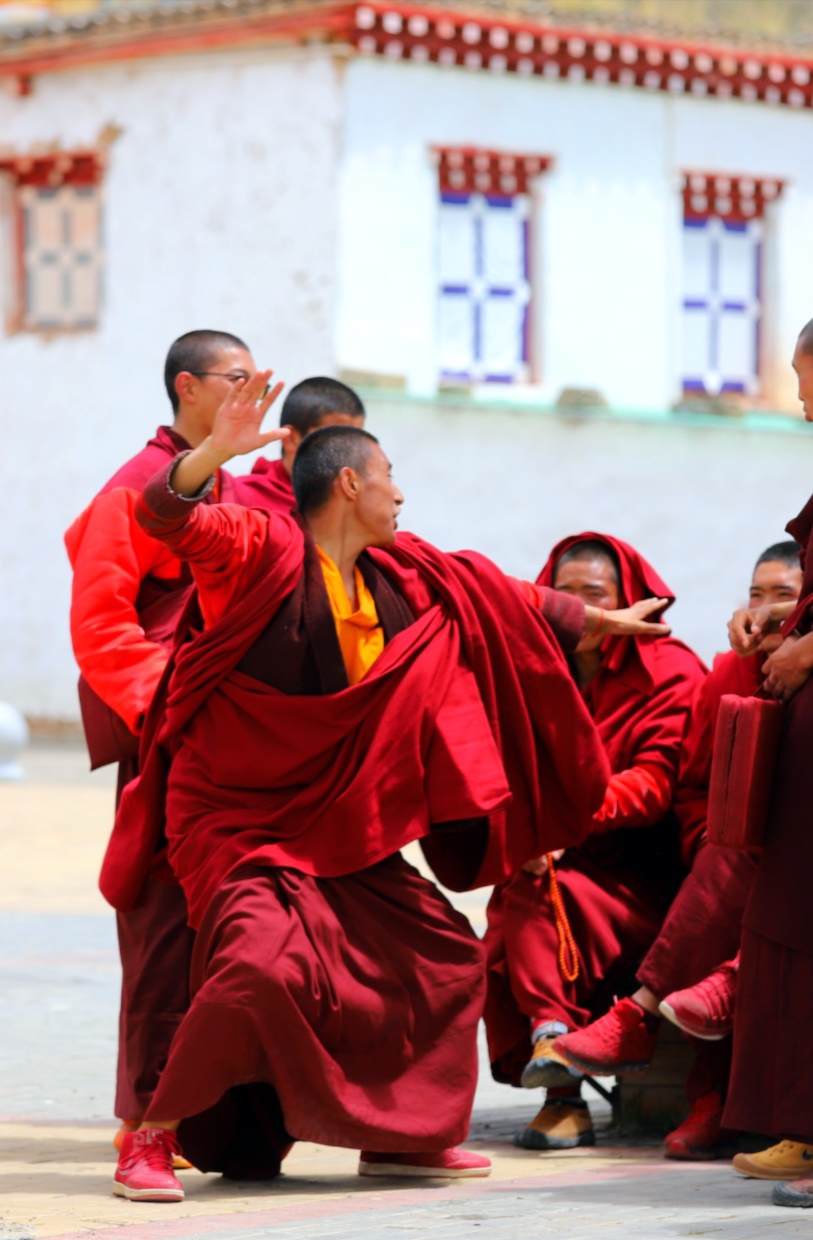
(155, 941)
(617, 885)
(336, 992)
(702, 928)
(772, 1079)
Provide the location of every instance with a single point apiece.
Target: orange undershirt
(360, 634)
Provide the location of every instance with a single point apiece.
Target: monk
(702, 928)
(771, 1083)
(559, 941)
(339, 693)
(128, 593)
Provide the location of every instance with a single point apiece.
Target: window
(484, 265)
(56, 204)
(722, 307)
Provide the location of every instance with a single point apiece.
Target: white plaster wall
(219, 213)
(608, 220)
(700, 503)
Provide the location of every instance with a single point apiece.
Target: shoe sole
(784, 1196)
(424, 1173)
(530, 1139)
(147, 1194)
(549, 1076)
(616, 1069)
(688, 1153)
(669, 1012)
(758, 1173)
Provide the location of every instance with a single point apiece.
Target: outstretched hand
(235, 431)
(634, 621)
(236, 428)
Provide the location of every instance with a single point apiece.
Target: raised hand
(235, 431)
(236, 428)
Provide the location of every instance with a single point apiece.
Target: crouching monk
(340, 694)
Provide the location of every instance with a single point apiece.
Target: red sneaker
(619, 1042)
(145, 1171)
(700, 1137)
(451, 1164)
(706, 1010)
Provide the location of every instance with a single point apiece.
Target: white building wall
(219, 213)
(701, 502)
(608, 220)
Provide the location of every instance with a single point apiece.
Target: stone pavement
(58, 993)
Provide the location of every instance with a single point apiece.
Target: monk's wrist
(196, 468)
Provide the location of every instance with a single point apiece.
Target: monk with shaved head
(337, 691)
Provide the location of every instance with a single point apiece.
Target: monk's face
(378, 500)
(203, 394)
(595, 582)
(775, 582)
(803, 365)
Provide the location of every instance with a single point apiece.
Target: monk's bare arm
(571, 619)
(628, 621)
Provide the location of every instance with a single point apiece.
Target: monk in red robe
(702, 928)
(771, 1087)
(559, 941)
(128, 593)
(339, 693)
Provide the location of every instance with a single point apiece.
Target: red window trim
(474, 170)
(728, 196)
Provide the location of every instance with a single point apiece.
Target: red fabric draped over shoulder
(641, 698)
(473, 697)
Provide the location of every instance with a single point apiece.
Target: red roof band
(448, 38)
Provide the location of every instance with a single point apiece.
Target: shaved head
(321, 458)
(805, 341)
(591, 549)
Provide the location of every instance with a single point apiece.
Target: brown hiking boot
(562, 1124)
(548, 1068)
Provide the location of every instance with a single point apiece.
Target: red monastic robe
(702, 928)
(617, 885)
(326, 971)
(771, 1079)
(128, 595)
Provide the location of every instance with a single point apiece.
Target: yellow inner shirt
(360, 634)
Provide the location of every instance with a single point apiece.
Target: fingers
(653, 630)
(647, 606)
(280, 432)
(270, 396)
(739, 632)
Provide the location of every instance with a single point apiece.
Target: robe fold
(702, 928)
(469, 714)
(336, 992)
(771, 1077)
(616, 885)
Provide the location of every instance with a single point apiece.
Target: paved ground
(58, 993)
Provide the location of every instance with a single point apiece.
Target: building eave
(474, 37)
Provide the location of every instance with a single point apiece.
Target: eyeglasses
(232, 378)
